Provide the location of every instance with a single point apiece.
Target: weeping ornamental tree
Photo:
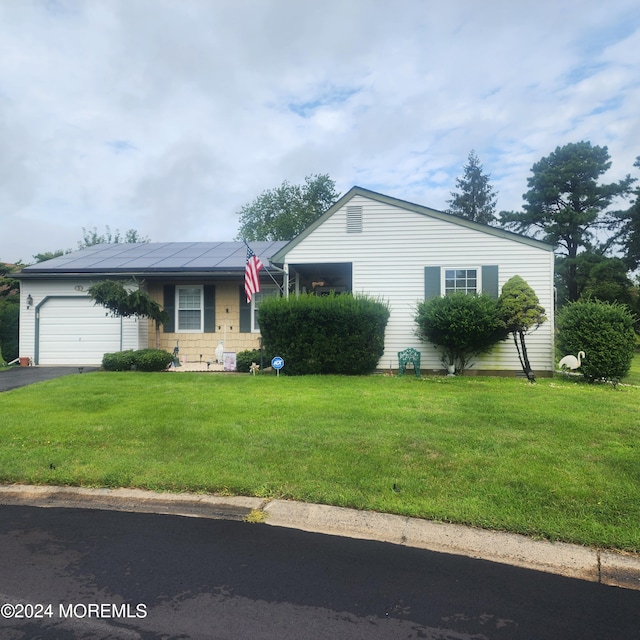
(124, 303)
(521, 312)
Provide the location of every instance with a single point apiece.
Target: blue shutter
(431, 282)
(490, 280)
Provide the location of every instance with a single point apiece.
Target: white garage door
(74, 331)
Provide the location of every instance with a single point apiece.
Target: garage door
(74, 331)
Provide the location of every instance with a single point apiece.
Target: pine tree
(567, 204)
(476, 199)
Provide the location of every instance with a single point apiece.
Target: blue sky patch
(331, 96)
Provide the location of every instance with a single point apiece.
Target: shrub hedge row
(141, 360)
(335, 334)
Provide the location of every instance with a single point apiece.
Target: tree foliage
(462, 325)
(49, 255)
(91, 237)
(598, 277)
(124, 303)
(521, 313)
(629, 233)
(282, 213)
(475, 198)
(9, 286)
(9, 326)
(566, 204)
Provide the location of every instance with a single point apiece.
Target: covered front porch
(321, 278)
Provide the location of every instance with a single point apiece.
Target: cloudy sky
(168, 115)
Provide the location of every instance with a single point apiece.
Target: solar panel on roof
(157, 256)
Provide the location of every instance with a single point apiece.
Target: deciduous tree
(91, 237)
(282, 213)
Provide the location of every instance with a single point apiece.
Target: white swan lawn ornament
(571, 362)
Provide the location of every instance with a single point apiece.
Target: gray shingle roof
(156, 257)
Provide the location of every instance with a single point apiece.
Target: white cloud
(168, 116)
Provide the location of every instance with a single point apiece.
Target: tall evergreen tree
(476, 199)
(629, 236)
(566, 204)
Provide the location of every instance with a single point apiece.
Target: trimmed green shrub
(521, 312)
(245, 358)
(463, 325)
(118, 361)
(335, 334)
(142, 360)
(604, 331)
(152, 359)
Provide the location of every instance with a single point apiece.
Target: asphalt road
(114, 575)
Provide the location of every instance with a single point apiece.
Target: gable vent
(354, 219)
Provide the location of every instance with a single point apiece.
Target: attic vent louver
(354, 219)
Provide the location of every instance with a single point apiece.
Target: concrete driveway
(15, 377)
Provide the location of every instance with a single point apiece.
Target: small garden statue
(219, 352)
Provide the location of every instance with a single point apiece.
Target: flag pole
(264, 266)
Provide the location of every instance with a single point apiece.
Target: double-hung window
(189, 309)
(256, 301)
(460, 281)
(442, 281)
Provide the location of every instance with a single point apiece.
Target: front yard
(557, 459)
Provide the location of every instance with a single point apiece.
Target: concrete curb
(133, 500)
(573, 561)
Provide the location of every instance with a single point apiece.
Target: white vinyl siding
(389, 259)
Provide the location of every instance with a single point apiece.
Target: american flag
(251, 277)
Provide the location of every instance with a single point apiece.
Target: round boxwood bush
(604, 331)
(152, 359)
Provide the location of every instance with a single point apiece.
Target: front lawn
(557, 459)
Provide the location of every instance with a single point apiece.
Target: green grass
(557, 460)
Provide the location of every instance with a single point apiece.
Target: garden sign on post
(277, 363)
